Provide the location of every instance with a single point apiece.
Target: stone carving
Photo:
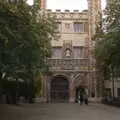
(79, 79)
(68, 53)
(68, 64)
(69, 15)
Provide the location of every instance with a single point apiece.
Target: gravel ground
(59, 111)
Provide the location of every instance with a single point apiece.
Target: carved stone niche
(67, 49)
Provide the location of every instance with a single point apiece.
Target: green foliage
(38, 84)
(25, 36)
(107, 50)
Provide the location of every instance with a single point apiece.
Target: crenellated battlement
(66, 11)
(68, 14)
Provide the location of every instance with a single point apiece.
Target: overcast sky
(68, 4)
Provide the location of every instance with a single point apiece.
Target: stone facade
(43, 4)
(72, 51)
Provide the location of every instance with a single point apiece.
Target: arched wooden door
(59, 89)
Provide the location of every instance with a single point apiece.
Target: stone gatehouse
(71, 65)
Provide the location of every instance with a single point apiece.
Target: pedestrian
(81, 98)
(86, 98)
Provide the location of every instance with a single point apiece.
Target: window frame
(77, 27)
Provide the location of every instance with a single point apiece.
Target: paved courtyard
(59, 111)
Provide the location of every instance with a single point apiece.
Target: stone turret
(94, 10)
(43, 4)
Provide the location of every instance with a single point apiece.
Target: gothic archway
(59, 89)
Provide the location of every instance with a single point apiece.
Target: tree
(107, 50)
(25, 36)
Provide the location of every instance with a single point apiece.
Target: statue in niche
(68, 53)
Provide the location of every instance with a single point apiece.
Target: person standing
(86, 98)
(81, 98)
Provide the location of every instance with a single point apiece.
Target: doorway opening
(59, 89)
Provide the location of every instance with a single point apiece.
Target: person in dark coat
(86, 98)
(81, 98)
